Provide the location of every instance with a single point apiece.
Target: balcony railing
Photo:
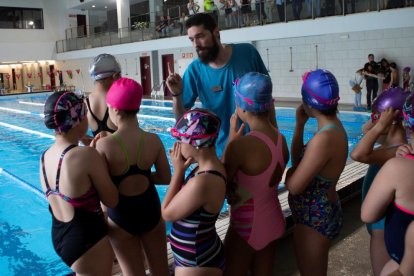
(264, 12)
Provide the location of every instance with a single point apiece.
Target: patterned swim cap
(63, 111)
(104, 66)
(320, 89)
(408, 112)
(197, 127)
(125, 94)
(253, 92)
(392, 97)
(407, 69)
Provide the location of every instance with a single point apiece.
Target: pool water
(25, 222)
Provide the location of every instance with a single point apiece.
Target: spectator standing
(260, 11)
(280, 6)
(406, 78)
(371, 80)
(395, 82)
(192, 7)
(296, 8)
(246, 10)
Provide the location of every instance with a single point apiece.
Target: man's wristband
(176, 95)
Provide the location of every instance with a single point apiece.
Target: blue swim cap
(320, 89)
(253, 92)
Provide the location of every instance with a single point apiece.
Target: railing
(264, 12)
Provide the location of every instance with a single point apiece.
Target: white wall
(342, 46)
(38, 44)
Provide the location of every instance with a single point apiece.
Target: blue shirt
(214, 87)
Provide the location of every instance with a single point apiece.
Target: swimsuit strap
(328, 126)
(123, 147)
(90, 110)
(268, 141)
(409, 156)
(141, 145)
(191, 175)
(48, 189)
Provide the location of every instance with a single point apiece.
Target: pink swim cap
(125, 94)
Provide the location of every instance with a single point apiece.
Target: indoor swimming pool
(25, 221)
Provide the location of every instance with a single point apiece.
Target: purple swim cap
(407, 69)
(320, 89)
(197, 127)
(63, 111)
(253, 92)
(408, 112)
(392, 97)
(125, 94)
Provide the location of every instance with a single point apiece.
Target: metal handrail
(148, 32)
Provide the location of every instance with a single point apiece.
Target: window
(21, 18)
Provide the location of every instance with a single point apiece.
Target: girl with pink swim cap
(255, 164)
(135, 224)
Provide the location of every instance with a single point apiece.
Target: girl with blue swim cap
(317, 166)
(391, 195)
(384, 128)
(255, 164)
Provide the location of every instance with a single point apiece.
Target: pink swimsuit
(258, 219)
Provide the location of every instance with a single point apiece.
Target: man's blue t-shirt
(214, 87)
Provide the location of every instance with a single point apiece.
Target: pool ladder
(157, 91)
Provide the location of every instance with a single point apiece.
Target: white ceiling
(101, 4)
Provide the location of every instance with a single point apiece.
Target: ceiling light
(93, 6)
(31, 23)
(106, 7)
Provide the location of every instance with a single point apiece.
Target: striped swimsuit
(194, 240)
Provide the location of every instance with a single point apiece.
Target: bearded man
(210, 77)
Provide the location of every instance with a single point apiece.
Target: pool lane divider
(42, 115)
(31, 103)
(23, 183)
(41, 134)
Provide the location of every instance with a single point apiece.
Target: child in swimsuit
(104, 70)
(407, 263)
(392, 195)
(315, 206)
(135, 224)
(255, 164)
(385, 127)
(74, 191)
(193, 204)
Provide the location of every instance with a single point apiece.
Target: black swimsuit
(140, 213)
(74, 238)
(102, 124)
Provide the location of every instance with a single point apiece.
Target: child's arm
(381, 193)
(297, 140)
(162, 174)
(407, 263)
(364, 151)
(99, 174)
(179, 202)
(316, 156)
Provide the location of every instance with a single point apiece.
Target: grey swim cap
(104, 66)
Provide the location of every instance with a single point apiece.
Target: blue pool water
(25, 241)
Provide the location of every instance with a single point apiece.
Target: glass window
(21, 18)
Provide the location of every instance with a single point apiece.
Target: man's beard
(209, 54)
